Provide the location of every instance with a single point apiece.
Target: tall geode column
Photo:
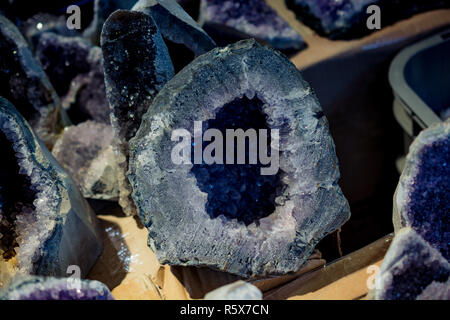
(136, 65)
(230, 217)
(45, 223)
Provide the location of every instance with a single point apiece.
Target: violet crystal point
(41, 288)
(252, 17)
(176, 25)
(137, 65)
(422, 198)
(236, 218)
(412, 269)
(347, 19)
(45, 223)
(25, 84)
(86, 152)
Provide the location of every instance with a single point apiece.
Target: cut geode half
(86, 152)
(25, 84)
(137, 65)
(253, 17)
(42, 288)
(346, 19)
(176, 25)
(422, 199)
(412, 269)
(45, 223)
(208, 215)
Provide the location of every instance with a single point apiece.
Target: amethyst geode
(45, 223)
(252, 17)
(411, 270)
(346, 19)
(40, 288)
(136, 65)
(230, 217)
(25, 84)
(422, 199)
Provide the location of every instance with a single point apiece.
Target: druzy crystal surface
(176, 25)
(422, 198)
(86, 152)
(253, 86)
(40, 288)
(412, 269)
(253, 17)
(136, 65)
(25, 84)
(346, 19)
(46, 225)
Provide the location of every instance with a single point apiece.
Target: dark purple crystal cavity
(239, 191)
(40, 288)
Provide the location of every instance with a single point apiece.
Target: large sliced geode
(412, 269)
(136, 65)
(25, 84)
(346, 19)
(45, 223)
(176, 25)
(40, 288)
(253, 17)
(422, 199)
(231, 217)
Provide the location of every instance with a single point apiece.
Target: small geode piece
(45, 223)
(412, 269)
(86, 152)
(422, 199)
(253, 17)
(239, 290)
(176, 25)
(137, 65)
(346, 19)
(25, 84)
(230, 217)
(43, 288)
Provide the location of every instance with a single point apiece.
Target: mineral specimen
(86, 152)
(412, 269)
(40, 288)
(255, 18)
(137, 65)
(232, 217)
(422, 198)
(102, 10)
(24, 83)
(45, 223)
(346, 19)
(239, 290)
(176, 25)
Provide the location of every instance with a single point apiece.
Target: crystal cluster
(254, 18)
(239, 290)
(137, 65)
(185, 222)
(39, 288)
(346, 19)
(46, 225)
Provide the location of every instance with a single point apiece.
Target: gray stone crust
(173, 208)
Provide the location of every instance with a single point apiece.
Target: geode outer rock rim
(170, 203)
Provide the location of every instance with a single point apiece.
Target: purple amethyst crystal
(24, 83)
(137, 65)
(252, 17)
(226, 216)
(176, 25)
(346, 19)
(40, 288)
(45, 223)
(86, 152)
(422, 198)
(412, 269)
